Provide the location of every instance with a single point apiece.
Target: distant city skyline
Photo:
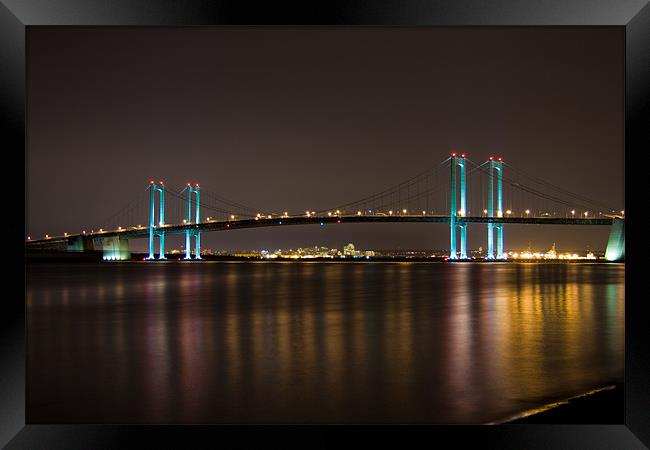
(308, 118)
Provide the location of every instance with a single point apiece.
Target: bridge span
(224, 225)
(96, 239)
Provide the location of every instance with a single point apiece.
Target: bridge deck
(141, 232)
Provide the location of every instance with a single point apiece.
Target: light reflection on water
(317, 342)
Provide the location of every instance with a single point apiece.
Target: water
(274, 342)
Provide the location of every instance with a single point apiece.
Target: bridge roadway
(214, 225)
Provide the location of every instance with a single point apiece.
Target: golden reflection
(549, 332)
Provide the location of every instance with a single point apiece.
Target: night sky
(299, 118)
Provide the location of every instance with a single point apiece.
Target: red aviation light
(453, 154)
(189, 184)
(151, 182)
(463, 155)
(500, 158)
(197, 184)
(491, 158)
(161, 182)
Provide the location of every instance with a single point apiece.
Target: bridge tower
(189, 233)
(156, 230)
(458, 161)
(495, 167)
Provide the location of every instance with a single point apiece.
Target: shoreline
(58, 257)
(602, 405)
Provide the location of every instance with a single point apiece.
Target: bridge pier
(115, 248)
(75, 245)
(616, 243)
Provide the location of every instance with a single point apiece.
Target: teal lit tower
(458, 162)
(196, 190)
(495, 167)
(156, 229)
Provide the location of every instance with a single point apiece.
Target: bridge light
(338, 212)
(329, 214)
(358, 213)
(485, 211)
(390, 212)
(257, 218)
(573, 211)
(101, 230)
(423, 213)
(29, 238)
(586, 213)
(47, 236)
(232, 216)
(622, 212)
(184, 220)
(499, 213)
(508, 211)
(269, 216)
(527, 211)
(403, 211)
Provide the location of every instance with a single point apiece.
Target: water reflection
(317, 342)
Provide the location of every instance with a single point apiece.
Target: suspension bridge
(457, 191)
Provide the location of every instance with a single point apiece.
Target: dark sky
(305, 118)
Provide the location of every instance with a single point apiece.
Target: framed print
(331, 223)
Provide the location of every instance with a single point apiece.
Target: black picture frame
(17, 15)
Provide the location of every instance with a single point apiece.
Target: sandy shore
(604, 405)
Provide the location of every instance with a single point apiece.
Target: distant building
(348, 250)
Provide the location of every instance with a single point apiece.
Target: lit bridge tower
(459, 162)
(196, 233)
(157, 230)
(495, 166)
